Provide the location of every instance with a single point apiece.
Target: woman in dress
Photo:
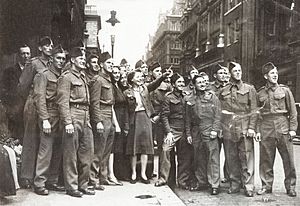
(140, 112)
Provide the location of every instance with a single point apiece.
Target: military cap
(76, 51)
(233, 65)
(154, 66)
(139, 63)
(45, 40)
(57, 49)
(104, 56)
(91, 56)
(217, 67)
(123, 62)
(267, 67)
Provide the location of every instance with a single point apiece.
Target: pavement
(277, 198)
(127, 195)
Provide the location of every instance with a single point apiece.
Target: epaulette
(168, 93)
(283, 85)
(263, 87)
(33, 58)
(65, 72)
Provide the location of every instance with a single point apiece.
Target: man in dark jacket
(13, 103)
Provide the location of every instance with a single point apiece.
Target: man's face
(46, 49)
(108, 65)
(206, 79)
(79, 62)
(272, 76)
(59, 60)
(93, 64)
(116, 74)
(144, 69)
(24, 54)
(156, 73)
(123, 70)
(236, 73)
(200, 84)
(193, 73)
(179, 84)
(221, 75)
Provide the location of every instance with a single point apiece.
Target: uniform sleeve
(253, 109)
(165, 114)
(95, 94)
(39, 95)
(217, 118)
(187, 118)
(26, 79)
(292, 110)
(63, 99)
(153, 85)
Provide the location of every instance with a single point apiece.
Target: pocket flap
(107, 86)
(279, 95)
(175, 101)
(77, 83)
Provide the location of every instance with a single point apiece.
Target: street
(278, 197)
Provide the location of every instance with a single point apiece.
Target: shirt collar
(45, 61)
(237, 84)
(53, 70)
(105, 75)
(270, 86)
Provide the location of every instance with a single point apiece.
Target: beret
(45, 40)
(91, 56)
(139, 63)
(233, 65)
(123, 62)
(267, 67)
(154, 66)
(104, 56)
(58, 49)
(76, 51)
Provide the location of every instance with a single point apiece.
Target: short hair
(196, 77)
(45, 40)
(130, 76)
(175, 77)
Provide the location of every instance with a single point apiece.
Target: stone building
(165, 47)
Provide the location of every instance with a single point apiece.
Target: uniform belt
(273, 114)
(80, 106)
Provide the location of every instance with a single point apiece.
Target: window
(230, 33)
(236, 29)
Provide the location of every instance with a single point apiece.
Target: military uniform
(31, 130)
(50, 153)
(239, 100)
(216, 87)
(102, 101)
(278, 117)
(203, 115)
(73, 102)
(172, 116)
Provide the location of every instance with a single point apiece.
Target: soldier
(172, 115)
(277, 129)
(220, 74)
(73, 103)
(31, 129)
(203, 114)
(50, 152)
(102, 101)
(93, 67)
(189, 89)
(141, 65)
(13, 103)
(239, 107)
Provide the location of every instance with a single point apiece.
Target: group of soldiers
(69, 116)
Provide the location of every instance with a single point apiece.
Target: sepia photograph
(149, 102)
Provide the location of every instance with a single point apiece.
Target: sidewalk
(126, 195)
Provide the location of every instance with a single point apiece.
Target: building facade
(165, 47)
